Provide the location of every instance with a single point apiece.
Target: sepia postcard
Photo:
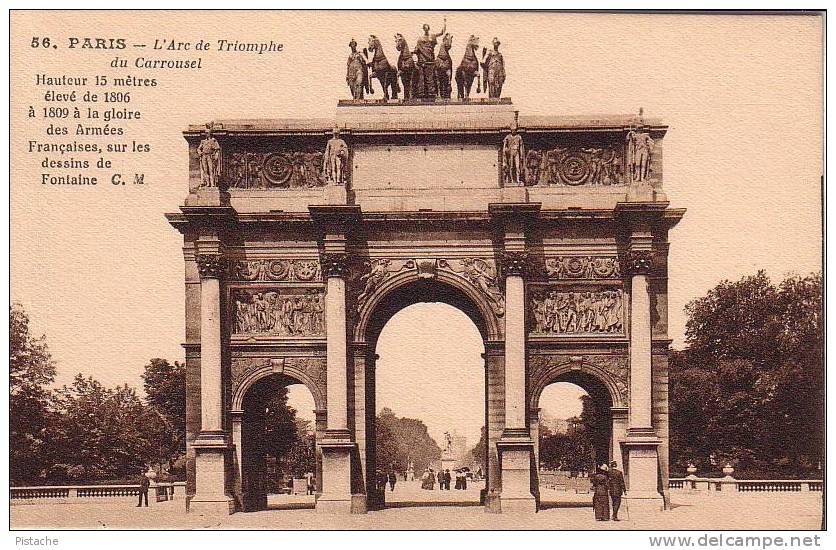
(417, 270)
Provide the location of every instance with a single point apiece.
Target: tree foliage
(400, 440)
(102, 433)
(31, 370)
(165, 393)
(575, 449)
(749, 389)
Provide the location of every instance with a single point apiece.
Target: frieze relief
(575, 165)
(583, 267)
(275, 270)
(274, 170)
(578, 312)
(278, 312)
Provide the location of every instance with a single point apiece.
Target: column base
(211, 505)
(515, 451)
(211, 498)
(643, 505)
(336, 495)
(643, 496)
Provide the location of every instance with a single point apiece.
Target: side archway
(603, 377)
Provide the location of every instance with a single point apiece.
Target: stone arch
(411, 286)
(309, 371)
(578, 370)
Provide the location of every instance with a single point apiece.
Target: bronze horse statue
(382, 70)
(468, 69)
(406, 67)
(444, 67)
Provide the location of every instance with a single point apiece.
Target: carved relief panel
(290, 312)
(556, 311)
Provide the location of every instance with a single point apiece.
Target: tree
(165, 392)
(749, 389)
(112, 434)
(400, 440)
(478, 453)
(31, 369)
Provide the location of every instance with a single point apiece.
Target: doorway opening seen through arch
(428, 383)
(573, 435)
(279, 460)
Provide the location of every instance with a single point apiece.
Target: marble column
(642, 442)
(211, 445)
(336, 446)
(515, 446)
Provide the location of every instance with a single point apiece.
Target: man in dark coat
(440, 480)
(447, 479)
(144, 484)
(392, 480)
(617, 488)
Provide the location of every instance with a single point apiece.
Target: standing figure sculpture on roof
(425, 53)
(209, 155)
(335, 159)
(382, 70)
(357, 73)
(494, 69)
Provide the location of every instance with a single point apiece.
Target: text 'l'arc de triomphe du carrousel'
(302, 238)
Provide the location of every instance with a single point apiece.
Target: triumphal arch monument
(303, 237)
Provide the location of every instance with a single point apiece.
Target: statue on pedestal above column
(209, 155)
(335, 159)
(513, 153)
(639, 150)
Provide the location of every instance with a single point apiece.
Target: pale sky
(100, 271)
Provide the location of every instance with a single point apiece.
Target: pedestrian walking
(601, 494)
(617, 488)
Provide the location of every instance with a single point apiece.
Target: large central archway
(453, 303)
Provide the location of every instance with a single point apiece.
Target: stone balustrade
(64, 493)
(731, 485)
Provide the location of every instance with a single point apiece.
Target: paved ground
(690, 511)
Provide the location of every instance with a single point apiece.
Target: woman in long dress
(601, 495)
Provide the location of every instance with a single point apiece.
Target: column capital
(211, 266)
(334, 264)
(515, 263)
(639, 262)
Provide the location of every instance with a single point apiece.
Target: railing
(730, 485)
(65, 493)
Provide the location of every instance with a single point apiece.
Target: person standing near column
(616, 485)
